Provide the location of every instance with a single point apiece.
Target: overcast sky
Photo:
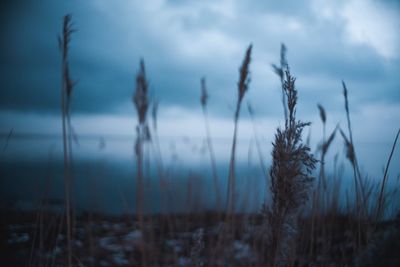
(357, 41)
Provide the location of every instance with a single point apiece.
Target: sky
(357, 41)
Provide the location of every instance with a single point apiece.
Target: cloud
(374, 24)
(183, 41)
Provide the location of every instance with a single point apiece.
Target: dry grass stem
(141, 102)
(66, 93)
(243, 86)
(203, 101)
(280, 71)
(379, 211)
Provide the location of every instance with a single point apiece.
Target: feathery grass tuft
(291, 180)
(140, 98)
(322, 113)
(244, 80)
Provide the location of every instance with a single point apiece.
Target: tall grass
(203, 101)
(351, 153)
(322, 201)
(243, 86)
(154, 115)
(323, 150)
(258, 145)
(67, 86)
(381, 196)
(291, 180)
(360, 185)
(141, 103)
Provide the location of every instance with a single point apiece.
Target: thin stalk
(8, 139)
(232, 177)
(70, 135)
(212, 158)
(66, 90)
(322, 171)
(260, 156)
(280, 71)
(139, 169)
(203, 101)
(156, 139)
(384, 180)
(66, 175)
(356, 170)
(139, 187)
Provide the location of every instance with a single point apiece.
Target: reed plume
(351, 156)
(140, 97)
(243, 86)
(291, 180)
(141, 103)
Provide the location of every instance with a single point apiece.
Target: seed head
(140, 98)
(244, 74)
(322, 113)
(204, 95)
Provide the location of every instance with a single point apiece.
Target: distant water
(104, 175)
(110, 187)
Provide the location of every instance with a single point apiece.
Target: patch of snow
(78, 243)
(118, 226)
(183, 261)
(108, 243)
(17, 238)
(242, 251)
(119, 258)
(133, 236)
(175, 244)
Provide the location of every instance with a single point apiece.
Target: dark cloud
(180, 43)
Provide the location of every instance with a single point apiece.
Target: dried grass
(243, 86)
(291, 181)
(203, 100)
(141, 102)
(66, 93)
